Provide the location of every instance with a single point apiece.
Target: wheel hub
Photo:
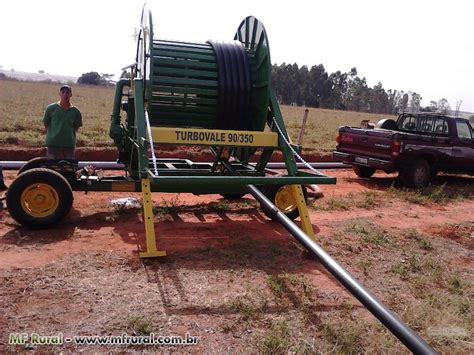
(285, 200)
(39, 200)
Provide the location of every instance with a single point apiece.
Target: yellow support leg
(303, 209)
(151, 251)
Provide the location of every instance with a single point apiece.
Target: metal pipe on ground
(404, 333)
(316, 165)
(389, 319)
(110, 165)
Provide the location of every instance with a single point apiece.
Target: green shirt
(62, 126)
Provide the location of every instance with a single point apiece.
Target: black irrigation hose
(388, 318)
(234, 85)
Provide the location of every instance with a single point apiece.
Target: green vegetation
(283, 285)
(220, 206)
(317, 88)
(431, 194)
(368, 232)
(423, 243)
(167, 206)
(140, 325)
(367, 200)
(94, 78)
(246, 308)
(346, 339)
(276, 340)
(436, 301)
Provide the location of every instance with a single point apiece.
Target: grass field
(22, 105)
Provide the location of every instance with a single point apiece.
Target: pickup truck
(416, 145)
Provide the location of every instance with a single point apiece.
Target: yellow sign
(196, 136)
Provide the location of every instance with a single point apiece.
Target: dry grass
(322, 125)
(252, 296)
(23, 103)
(366, 200)
(109, 293)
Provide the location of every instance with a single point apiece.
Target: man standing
(62, 120)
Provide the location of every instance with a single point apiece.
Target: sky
(412, 45)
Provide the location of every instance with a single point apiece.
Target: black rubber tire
(270, 191)
(417, 175)
(363, 171)
(33, 163)
(66, 167)
(29, 178)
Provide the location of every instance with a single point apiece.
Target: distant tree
(285, 81)
(338, 82)
(379, 101)
(351, 75)
(318, 86)
(433, 106)
(357, 97)
(91, 78)
(394, 97)
(427, 109)
(403, 103)
(108, 78)
(443, 106)
(301, 85)
(415, 102)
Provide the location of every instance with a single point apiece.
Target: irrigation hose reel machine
(215, 94)
(210, 94)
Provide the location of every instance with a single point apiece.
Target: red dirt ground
(91, 226)
(205, 237)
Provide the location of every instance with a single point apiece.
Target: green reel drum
(211, 85)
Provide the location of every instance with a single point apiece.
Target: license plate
(361, 160)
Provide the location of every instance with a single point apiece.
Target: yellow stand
(151, 250)
(303, 209)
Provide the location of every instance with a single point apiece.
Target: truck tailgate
(376, 142)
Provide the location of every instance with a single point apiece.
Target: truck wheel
(363, 171)
(282, 198)
(417, 175)
(39, 198)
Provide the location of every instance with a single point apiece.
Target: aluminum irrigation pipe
(106, 165)
(110, 165)
(404, 333)
(394, 324)
(316, 165)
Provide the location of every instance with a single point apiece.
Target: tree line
(315, 87)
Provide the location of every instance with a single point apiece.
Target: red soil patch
(84, 276)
